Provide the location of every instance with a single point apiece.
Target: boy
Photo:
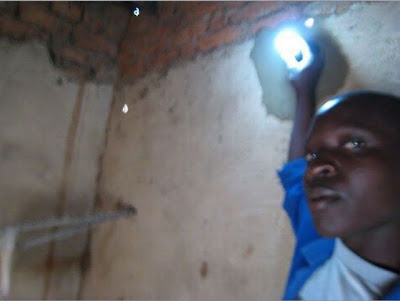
(342, 185)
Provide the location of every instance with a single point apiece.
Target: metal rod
(73, 221)
(58, 235)
(80, 224)
(9, 234)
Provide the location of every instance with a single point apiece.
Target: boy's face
(353, 180)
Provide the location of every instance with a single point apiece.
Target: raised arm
(304, 83)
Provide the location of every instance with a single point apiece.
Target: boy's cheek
(376, 190)
(364, 184)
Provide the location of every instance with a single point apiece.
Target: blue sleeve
(295, 202)
(295, 205)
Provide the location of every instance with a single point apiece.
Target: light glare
(309, 22)
(290, 45)
(125, 109)
(328, 105)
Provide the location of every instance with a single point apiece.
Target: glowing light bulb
(293, 49)
(125, 109)
(309, 22)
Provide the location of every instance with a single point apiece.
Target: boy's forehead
(341, 108)
(366, 110)
(338, 113)
(373, 113)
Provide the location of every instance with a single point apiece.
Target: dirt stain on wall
(204, 270)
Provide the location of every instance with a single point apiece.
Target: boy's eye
(354, 144)
(310, 156)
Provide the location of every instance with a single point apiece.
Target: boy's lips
(321, 192)
(320, 197)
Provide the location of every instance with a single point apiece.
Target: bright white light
(125, 109)
(309, 22)
(293, 49)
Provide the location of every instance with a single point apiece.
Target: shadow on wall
(278, 96)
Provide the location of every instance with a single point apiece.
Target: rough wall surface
(47, 169)
(196, 154)
(369, 37)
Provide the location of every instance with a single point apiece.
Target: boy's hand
(304, 81)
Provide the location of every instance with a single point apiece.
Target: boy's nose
(319, 170)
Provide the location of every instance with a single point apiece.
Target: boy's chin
(330, 232)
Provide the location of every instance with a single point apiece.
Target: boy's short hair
(370, 95)
(378, 105)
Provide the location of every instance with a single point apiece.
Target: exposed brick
(94, 42)
(158, 39)
(131, 71)
(218, 20)
(97, 66)
(127, 48)
(125, 57)
(115, 31)
(118, 19)
(118, 13)
(159, 58)
(219, 38)
(167, 9)
(254, 10)
(326, 9)
(72, 54)
(188, 51)
(141, 24)
(165, 58)
(196, 11)
(14, 29)
(140, 49)
(128, 44)
(61, 36)
(9, 7)
(70, 10)
(98, 60)
(234, 4)
(178, 31)
(195, 8)
(159, 33)
(106, 73)
(187, 33)
(38, 13)
(75, 72)
(94, 18)
(288, 14)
